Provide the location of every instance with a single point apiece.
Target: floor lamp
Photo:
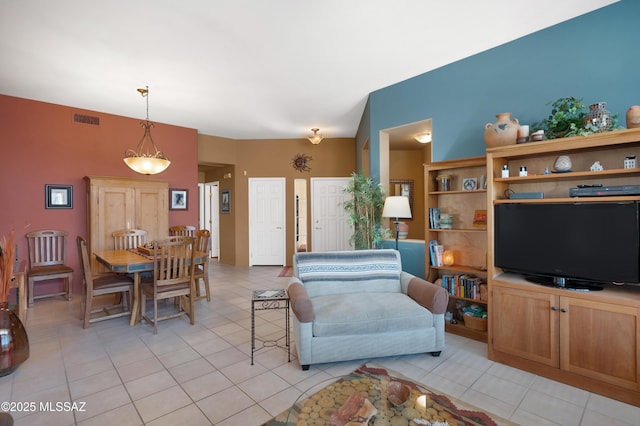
(396, 207)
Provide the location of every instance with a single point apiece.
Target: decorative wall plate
(300, 162)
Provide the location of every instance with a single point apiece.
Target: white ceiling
(248, 69)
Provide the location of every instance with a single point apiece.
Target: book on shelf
(435, 253)
(434, 217)
(480, 218)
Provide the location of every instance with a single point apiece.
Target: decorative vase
(562, 164)
(403, 230)
(633, 117)
(599, 117)
(503, 132)
(14, 343)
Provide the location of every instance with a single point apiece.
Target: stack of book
(462, 285)
(434, 217)
(435, 253)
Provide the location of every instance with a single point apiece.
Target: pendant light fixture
(146, 159)
(315, 138)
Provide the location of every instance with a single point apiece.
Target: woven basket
(475, 323)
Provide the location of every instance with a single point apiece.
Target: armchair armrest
(429, 295)
(299, 301)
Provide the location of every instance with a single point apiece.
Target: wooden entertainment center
(585, 339)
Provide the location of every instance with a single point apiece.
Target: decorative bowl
(397, 393)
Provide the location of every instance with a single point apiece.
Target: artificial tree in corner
(365, 211)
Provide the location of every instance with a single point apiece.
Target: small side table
(263, 300)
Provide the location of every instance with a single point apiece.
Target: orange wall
(405, 165)
(333, 157)
(41, 144)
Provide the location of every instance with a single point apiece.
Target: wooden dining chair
(184, 230)
(126, 239)
(48, 261)
(101, 284)
(202, 244)
(173, 268)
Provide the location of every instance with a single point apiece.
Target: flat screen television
(572, 245)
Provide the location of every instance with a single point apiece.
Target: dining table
(133, 262)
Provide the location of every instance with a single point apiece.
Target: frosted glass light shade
(147, 165)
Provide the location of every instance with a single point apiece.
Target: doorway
(331, 230)
(300, 215)
(267, 218)
(209, 214)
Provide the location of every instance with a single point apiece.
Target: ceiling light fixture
(315, 138)
(146, 159)
(424, 137)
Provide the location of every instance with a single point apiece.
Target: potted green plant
(365, 211)
(567, 119)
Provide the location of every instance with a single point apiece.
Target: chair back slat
(127, 239)
(47, 248)
(184, 230)
(85, 264)
(174, 260)
(203, 240)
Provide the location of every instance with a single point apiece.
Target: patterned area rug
(287, 271)
(423, 407)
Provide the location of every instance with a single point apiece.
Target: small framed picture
(469, 184)
(58, 196)
(178, 199)
(225, 201)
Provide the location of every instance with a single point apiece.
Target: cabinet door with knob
(525, 324)
(599, 340)
(576, 334)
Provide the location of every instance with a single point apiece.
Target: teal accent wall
(595, 57)
(412, 255)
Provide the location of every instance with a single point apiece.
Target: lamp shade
(396, 206)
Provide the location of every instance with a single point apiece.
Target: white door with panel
(267, 218)
(330, 230)
(209, 214)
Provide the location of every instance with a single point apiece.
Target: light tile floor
(201, 374)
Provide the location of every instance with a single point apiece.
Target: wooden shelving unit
(468, 242)
(541, 329)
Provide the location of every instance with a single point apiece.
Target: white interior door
(209, 214)
(330, 230)
(267, 218)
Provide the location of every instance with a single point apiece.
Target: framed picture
(225, 201)
(58, 196)
(469, 184)
(402, 187)
(178, 199)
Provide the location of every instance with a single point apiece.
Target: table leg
(288, 337)
(253, 330)
(136, 299)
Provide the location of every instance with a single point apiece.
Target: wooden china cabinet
(115, 203)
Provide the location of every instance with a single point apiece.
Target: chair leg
(87, 312)
(207, 289)
(143, 304)
(155, 314)
(69, 288)
(192, 308)
(30, 303)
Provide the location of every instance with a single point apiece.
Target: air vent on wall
(86, 119)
